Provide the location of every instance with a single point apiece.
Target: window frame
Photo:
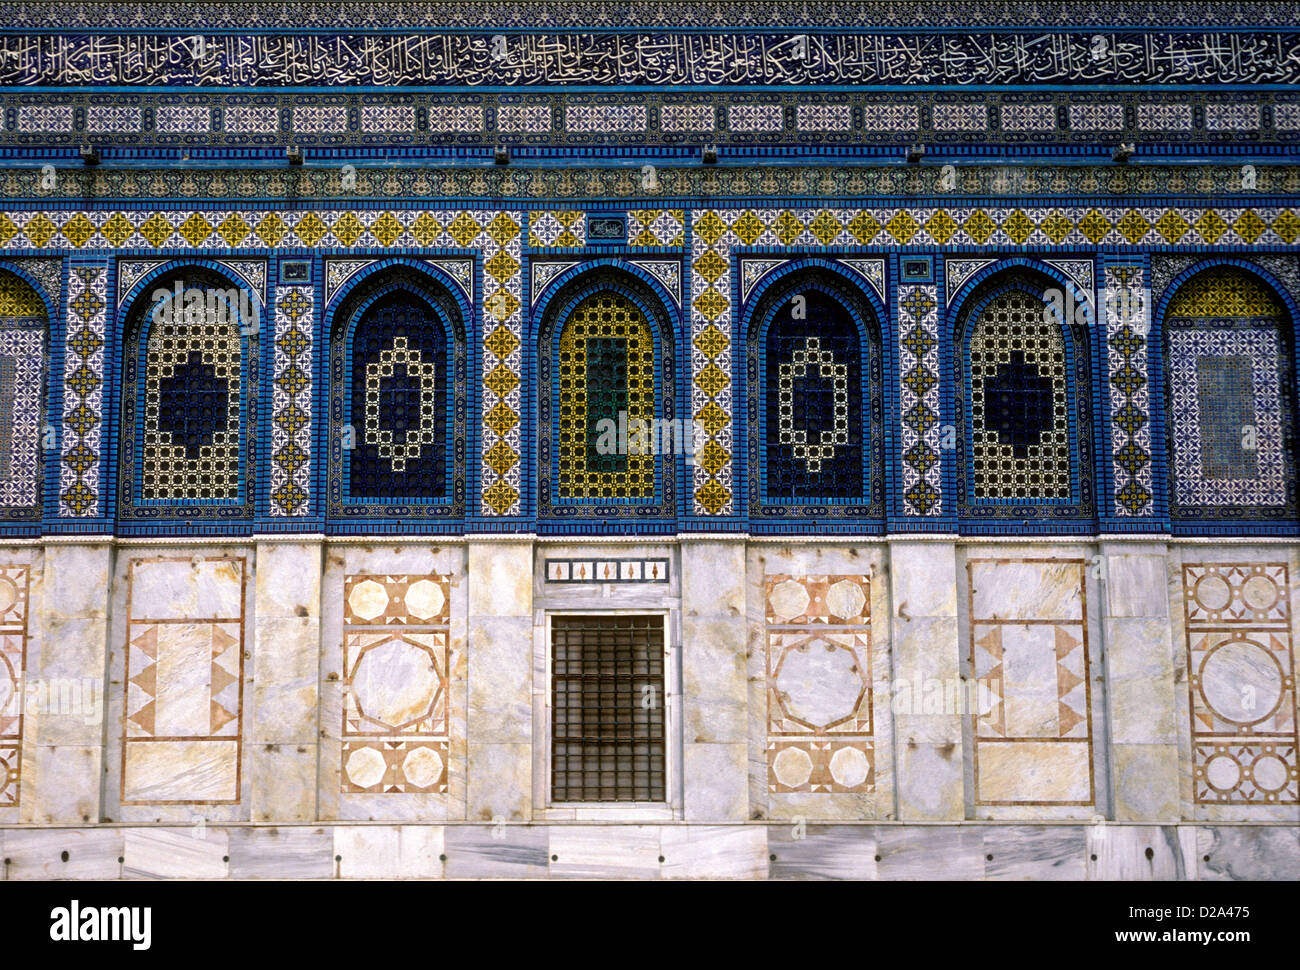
(544, 804)
(365, 514)
(132, 388)
(763, 510)
(1080, 509)
(555, 313)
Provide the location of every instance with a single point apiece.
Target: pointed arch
(1230, 396)
(814, 392)
(609, 440)
(1024, 420)
(187, 441)
(398, 408)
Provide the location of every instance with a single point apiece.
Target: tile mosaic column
(83, 393)
(499, 719)
(69, 758)
(1140, 681)
(1127, 318)
(715, 773)
(918, 398)
(928, 746)
(282, 733)
(291, 404)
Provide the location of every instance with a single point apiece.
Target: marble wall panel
(1241, 686)
(184, 681)
(819, 718)
(15, 590)
(393, 683)
(1032, 717)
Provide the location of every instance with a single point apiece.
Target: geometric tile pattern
(291, 401)
(397, 666)
(22, 349)
(13, 663)
(1260, 478)
(1231, 396)
(83, 391)
(1127, 327)
(605, 117)
(656, 227)
(551, 230)
(918, 396)
(182, 729)
(917, 225)
(813, 385)
(1020, 426)
(820, 736)
(499, 239)
(606, 364)
(192, 398)
(715, 233)
(1029, 654)
(1242, 682)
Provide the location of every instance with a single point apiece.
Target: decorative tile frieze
(680, 58)
(598, 571)
(503, 14)
(555, 230)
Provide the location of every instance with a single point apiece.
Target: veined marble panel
(1032, 725)
(182, 729)
(397, 664)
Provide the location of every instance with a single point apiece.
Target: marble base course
(979, 851)
(389, 704)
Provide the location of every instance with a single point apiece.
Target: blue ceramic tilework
(187, 440)
(399, 407)
(1025, 421)
(815, 440)
(1231, 399)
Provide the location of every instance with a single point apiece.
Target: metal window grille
(607, 709)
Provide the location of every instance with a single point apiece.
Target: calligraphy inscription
(653, 59)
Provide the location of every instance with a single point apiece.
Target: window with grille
(606, 368)
(607, 709)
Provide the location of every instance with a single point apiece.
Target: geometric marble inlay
(820, 736)
(397, 663)
(1242, 684)
(184, 681)
(13, 662)
(1029, 654)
